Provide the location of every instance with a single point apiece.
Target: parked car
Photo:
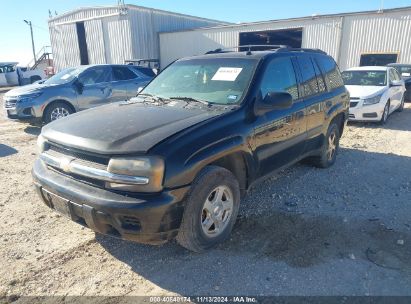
(13, 75)
(176, 160)
(405, 71)
(75, 89)
(375, 92)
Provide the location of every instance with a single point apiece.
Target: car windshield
(64, 76)
(217, 80)
(405, 71)
(365, 78)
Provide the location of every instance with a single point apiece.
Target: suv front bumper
(144, 218)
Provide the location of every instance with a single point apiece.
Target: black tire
(401, 108)
(324, 160)
(386, 113)
(191, 234)
(49, 113)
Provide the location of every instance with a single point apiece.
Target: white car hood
(364, 91)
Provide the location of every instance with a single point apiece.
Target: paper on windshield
(227, 74)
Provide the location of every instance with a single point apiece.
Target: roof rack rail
(248, 47)
(289, 49)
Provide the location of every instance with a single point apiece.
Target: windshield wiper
(152, 97)
(183, 98)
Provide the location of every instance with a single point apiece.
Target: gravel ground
(306, 231)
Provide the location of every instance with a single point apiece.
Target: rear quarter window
(331, 71)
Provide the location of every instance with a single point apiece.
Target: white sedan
(375, 92)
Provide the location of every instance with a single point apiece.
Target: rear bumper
(151, 219)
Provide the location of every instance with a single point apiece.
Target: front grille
(351, 115)
(86, 180)
(353, 104)
(354, 98)
(88, 157)
(10, 103)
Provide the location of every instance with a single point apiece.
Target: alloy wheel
(332, 146)
(58, 113)
(386, 110)
(217, 211)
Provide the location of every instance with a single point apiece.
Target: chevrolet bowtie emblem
(65, 164)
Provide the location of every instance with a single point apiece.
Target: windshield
(405, 71)
(365, 78)
(219, 81)
(64, 76)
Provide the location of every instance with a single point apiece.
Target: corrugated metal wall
(324, 34)
(388, 32)
(344, 37)
(113, 38)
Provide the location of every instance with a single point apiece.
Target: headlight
(372, 100)
(41, 144)
(148, 167)
(29, 97)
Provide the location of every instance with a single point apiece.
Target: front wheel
(385, 114)
(329, 150)
(211, 209)
(401, 108)
(56, 111)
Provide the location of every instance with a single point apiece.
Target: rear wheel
(329, 150)
(386, 112)
(211, 209)
(56, 111)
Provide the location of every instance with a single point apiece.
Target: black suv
(176, 160)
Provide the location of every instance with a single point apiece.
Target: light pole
(32, 40)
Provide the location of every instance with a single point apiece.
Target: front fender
(185, 173)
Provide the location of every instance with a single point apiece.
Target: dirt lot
(341, 231)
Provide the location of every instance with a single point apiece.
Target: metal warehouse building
(353, 39)
(114, 34)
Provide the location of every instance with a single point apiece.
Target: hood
(364, 91)
(28, 89)
(122, 128)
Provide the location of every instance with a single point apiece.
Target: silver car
(75, 89)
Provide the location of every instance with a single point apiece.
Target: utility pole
(32, 39)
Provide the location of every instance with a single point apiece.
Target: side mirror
(79, 86)
(273, 101)
(396, 83)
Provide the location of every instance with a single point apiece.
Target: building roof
(312, 17)
(132, 6)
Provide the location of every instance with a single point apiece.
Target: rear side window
(309, 79)
(123, 73)
(330, 69)
(280, 77)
